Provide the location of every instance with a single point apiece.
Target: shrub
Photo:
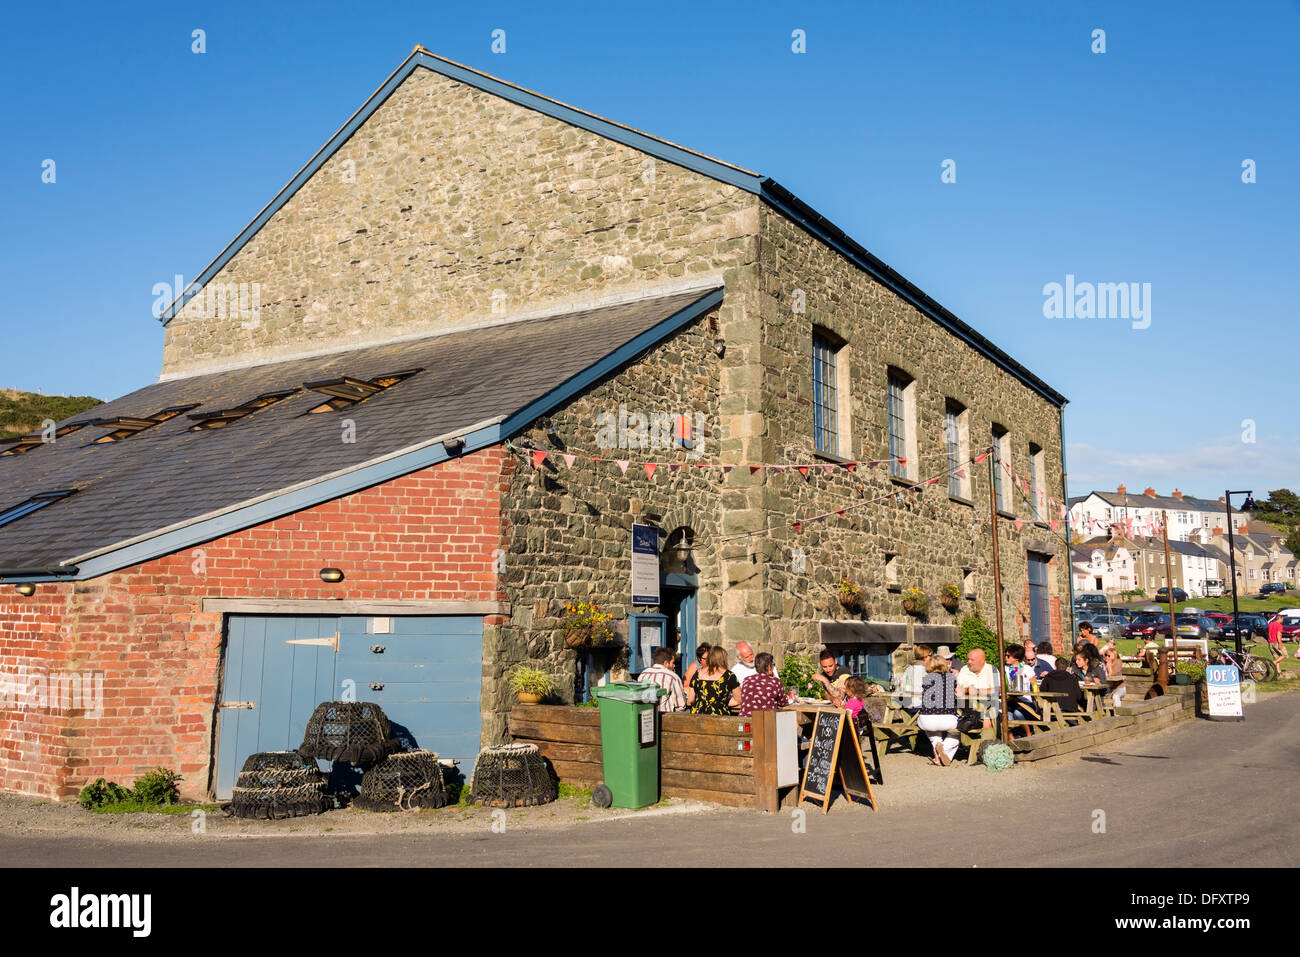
(100, 792)
(159, 786)
(796, 675)
(1193, 669)
(976, 634)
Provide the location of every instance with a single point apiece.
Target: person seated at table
(977, 684)
(1019, 678)
(663, 674)
(1046, 656)
(938, 714)
(1036, 664)
(1088, 670)
(832, 677)
(909, 683)
(761, 691)
(1115, 676)
(855, 695)
(1061, 682)
(1085, 634)
(712, 685)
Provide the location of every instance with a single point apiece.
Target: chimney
(1178, 495)
(1149, 492)
(1122, 490)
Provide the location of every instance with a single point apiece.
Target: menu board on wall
(645, 565)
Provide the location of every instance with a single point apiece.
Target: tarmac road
(1203, 793)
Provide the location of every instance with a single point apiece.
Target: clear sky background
(1117, 167)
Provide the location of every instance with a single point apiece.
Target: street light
(1246, 506)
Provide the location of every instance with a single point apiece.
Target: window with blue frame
(867, 661)
(825, 397)
(647, 632)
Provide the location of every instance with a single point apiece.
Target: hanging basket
(851, 602)
(577, 638)
(910, 606)
(949, 603)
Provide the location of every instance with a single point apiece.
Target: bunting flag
(797, 526)
(933, 481)
(1054, 524)
(903, 462)
(650, 470)
(538, 459)
(672, 469)
(960, 473)
(1018, 524)
(851, 466)
(802, 470)
(622, 465)
(569, 460)
(981, 457)
(755, 468)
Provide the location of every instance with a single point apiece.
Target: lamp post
(1246, 506)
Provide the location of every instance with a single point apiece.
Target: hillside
(23, 412)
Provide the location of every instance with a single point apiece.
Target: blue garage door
(425, 672)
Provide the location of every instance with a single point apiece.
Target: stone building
(418, 404)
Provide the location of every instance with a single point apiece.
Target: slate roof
(168, 475)
(1188, 503)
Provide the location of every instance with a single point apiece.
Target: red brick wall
(429, 535)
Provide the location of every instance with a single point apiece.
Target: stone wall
(936, 537)
(451, 206)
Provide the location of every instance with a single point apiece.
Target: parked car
(1291, 629)
(1271, 588)
(1214, 588)
(1222, 617)
(1252, 626)
(1108, 626)
(1092, 598)
(1162, 594)
(1146, 624)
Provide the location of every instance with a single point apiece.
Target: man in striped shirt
(662, 674)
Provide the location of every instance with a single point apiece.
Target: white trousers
(946, 727)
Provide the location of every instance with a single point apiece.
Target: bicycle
(1250, 666)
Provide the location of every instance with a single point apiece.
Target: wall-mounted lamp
(454, 446)
(331, 575)
(25, 589)
(683, 549)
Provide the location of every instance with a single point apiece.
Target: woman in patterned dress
(712, 685)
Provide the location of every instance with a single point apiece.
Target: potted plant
(585, 625)
(1189, 672)
(949, 596)
(851, 594)
(915, 601)
(530, 685)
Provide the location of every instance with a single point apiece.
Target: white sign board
(648, 727)
(1223, 687)
(645, 565)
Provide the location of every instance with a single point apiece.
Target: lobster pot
(512, 775)
(354, 732)
(281, 778)
(403, 782)
(274, 803)
(286, 760)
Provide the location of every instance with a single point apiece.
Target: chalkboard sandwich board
(824, 760)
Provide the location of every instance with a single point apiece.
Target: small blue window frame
(33, 504)
(635, 664)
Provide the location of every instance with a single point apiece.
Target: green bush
(1193, 669)
(796, 675)
(976, 634)
(99, 792)
(159, 786)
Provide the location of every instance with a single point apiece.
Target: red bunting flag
(754, 468)
(569, 460)
(1054, 524)
(960, 473)
(903, 462)
(840, 513)
(850, 465)
(981, 457)
(803, 470)
(538, 459)
(933, 481)
(622, 465)
(726, 469)
(650, 470)
(1018, 524)
(797, 526)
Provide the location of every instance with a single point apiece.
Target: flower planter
(851, 604)
(911, 606)
(1182, 679)
(527, 698)
(950, 604)
(577, 638)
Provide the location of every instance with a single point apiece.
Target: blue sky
(1123, 166)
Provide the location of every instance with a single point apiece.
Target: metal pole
(997, 598)
(1232, 562)
(1169, 574)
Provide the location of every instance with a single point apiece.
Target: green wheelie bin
(629, 744)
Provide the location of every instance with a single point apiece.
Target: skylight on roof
(126, 425)
(32, 440)
(345, 390)
(218, 420)
(33, 504)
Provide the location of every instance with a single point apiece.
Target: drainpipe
(1069, 554)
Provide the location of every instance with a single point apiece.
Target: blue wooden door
(277, 670)
(427, 675)
(425, 672)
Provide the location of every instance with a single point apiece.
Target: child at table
(857, 692)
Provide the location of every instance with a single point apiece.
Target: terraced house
(386, 469)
